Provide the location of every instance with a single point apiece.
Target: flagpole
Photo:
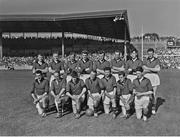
(142, 44)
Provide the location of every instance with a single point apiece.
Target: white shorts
(107, 100)
(154, 78)
(141, 103)
(116, 76)
(84, 76)
(131, 77)
(126, 97)
(82, 99)
(68, 78)
(97, 96)
(100, 76)
(51, 79)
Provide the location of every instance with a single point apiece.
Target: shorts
(131, 77)
(141, 103)
(81, 99)
(116, 76)
(68, 78)
(154, 78)
(126, 97)
(97, 97)
(84, 76)
(107, 100)
(100, 76)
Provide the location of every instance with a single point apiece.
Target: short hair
(119, 51)
(72, 53)
(107, 68)
(84, 52)
(39, 54)
(150, 50)
(139, 69)
(122, 73)
(74, 74)
(55, 53)
(101, 52)
(39, 72)
(134, 50)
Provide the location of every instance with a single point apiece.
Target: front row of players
(105, 90)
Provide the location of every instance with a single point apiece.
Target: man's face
(107, 73)
(56, 75)
(74, 79)
(150, 54)
(133, 54)
(93, 75)
(72, 57)
(84, 56)
(38, 76)
(101, 56)
(117, 55)
(121, 78)
(139, 74)
(40, 58)
(55, 57)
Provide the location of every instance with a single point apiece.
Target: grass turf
(18, 115)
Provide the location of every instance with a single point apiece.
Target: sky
(154, 16)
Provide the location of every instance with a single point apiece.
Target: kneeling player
(94, 86)
(58, 86)
(39, 93)
(109, 96)
(124, 90)
(142, 91)
(75, 90)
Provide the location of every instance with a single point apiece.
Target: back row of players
(133, 82)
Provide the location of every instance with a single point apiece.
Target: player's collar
(134, 59)
(117, 60)
(84, 61)
(73, 61)
(151, 59)
(102, 61)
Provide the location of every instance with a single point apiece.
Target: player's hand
(127, 106)
(123, 100)
(87, 69)
(129, 69)
(35, 101)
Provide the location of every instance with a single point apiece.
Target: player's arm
(63, 88)
(33, 93)
(52, 88)
(84, 88)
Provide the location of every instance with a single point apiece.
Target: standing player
(55, 65)
(124, 91)
(58, 86)
(39, 92)
(101, 64)
(151, 68)
(142, 91)
(39, 64)
(132, 64)
(94, 86)
(117, 64)
(109, 95)
(85, 65)
(75, 90)
(72, 65)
